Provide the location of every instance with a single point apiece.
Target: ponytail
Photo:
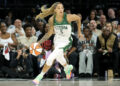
(47, 11)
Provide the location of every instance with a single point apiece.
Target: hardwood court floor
(54, 82)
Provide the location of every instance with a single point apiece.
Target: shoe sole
(35, 82)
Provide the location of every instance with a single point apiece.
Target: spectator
(111, 16)
(114, 26)
(102, 22)
(22, 64)
(16, 28)
(88, 45)
(109, 25)
(5, 58)
(93, 27)
(5, 37)
(100, 12)
(8, 41)
(46, 28)
(28, 39)
(30, 20)
(107, 46)
(118, 35)
(9, 18)
(92, 16)
(118, 30)
(33, 31)
(40, 27)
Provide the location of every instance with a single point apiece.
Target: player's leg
(47, 65)
(63, 62)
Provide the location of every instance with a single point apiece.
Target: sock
(42, 73)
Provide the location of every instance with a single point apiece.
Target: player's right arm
(49, 33)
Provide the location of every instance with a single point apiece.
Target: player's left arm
(73, 17)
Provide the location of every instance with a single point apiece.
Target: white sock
(42, 73)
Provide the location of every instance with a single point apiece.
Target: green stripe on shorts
(67, 46)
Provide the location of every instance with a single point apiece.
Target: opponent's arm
(49, 33)
(73, 17)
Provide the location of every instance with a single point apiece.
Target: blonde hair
(47, 11)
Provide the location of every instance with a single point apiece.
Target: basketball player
(60, 25)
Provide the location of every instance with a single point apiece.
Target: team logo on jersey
(61, 27)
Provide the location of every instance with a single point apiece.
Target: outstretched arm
(49, 33)
(73, 17)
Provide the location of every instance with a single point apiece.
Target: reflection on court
(53, 82)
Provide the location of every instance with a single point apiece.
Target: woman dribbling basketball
(60, 25)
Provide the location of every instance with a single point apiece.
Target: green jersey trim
(63, 22)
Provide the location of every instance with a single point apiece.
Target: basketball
(35, 49)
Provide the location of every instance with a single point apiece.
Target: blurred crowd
(97, 52)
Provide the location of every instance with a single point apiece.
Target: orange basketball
(35, 49)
